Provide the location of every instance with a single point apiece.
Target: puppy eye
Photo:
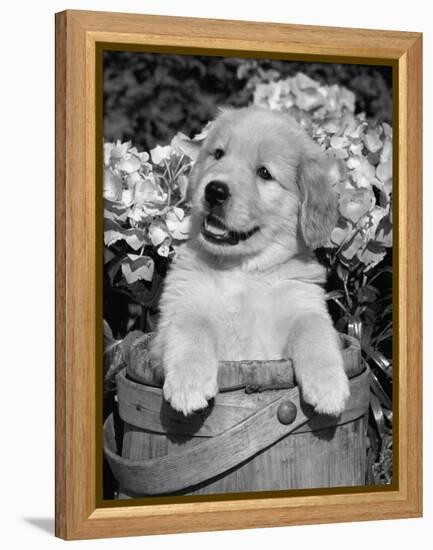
(264, 173)
(219, 153)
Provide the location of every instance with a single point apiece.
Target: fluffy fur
(262, 297)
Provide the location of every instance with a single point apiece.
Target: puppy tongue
(215, 227)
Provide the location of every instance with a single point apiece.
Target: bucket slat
(165, 453)
(231, 373)
(144, 407)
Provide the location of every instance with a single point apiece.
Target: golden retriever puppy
(247, 284)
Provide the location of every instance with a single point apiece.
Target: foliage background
(148, 97)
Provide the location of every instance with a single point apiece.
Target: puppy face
(259, 181)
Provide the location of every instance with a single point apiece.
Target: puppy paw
(187, 393)
(325, 386)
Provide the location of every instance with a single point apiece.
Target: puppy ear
(319, 201)
(191, 147)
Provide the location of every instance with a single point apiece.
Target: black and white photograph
(247, 279)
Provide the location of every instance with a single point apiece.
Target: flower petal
(136, 268)
(372, 141)
(185, 145)
(129, 164)
(339, 234)
(353, 246)
(175, 214)
(354, 203)
(158, 233)
(164, 250)
(384, 171)
(159, 153)
(112, 186)
(180, 229)
(127, 197)
(133, 178)
(145, 190)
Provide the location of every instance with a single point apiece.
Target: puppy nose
(216, 193)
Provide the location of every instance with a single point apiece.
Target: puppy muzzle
(217, 232)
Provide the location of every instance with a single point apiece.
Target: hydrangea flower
(362, 149)
(144, 197)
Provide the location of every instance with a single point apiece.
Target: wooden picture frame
(79, 36)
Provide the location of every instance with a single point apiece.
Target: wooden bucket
(256, 435)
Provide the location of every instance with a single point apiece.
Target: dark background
(150, 97)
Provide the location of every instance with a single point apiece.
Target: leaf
(376, 387)
(373, 158)
(384, 171)
(108, 255)
(334, 294)
(342, 272)
(376, 409)
(113, 232)
(108, 333)
(136, 268)
(182, 184)
(367, 294)
(115, 211)
(372, 254)
(135, 238)
(379, 360)
(119, 252)
(384, 232)
(372, 221)
(354, 328)
(147, 294)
